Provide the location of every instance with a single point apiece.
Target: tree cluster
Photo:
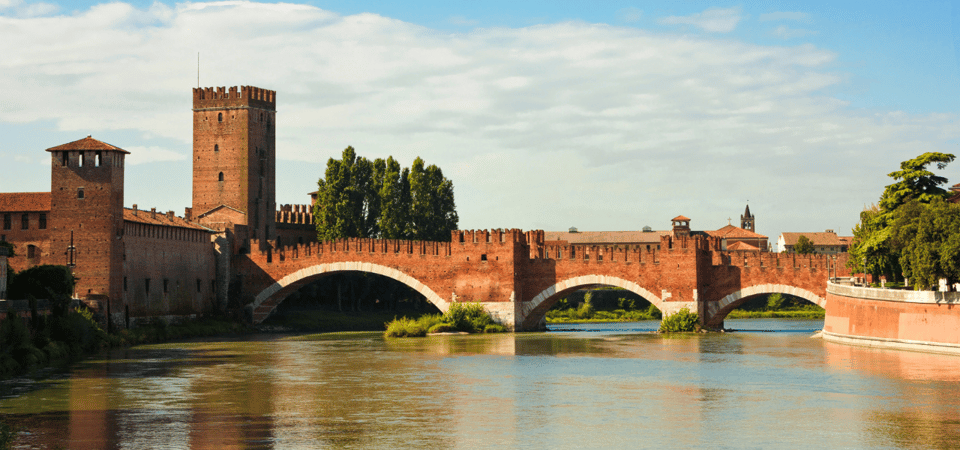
(913, 232)
(379, 199)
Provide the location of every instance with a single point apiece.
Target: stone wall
(915, 320)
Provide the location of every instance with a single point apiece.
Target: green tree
(927, 238)
(803, 246)
(872, 250)
(360, 198)
(433, 211)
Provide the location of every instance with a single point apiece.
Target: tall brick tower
(86, 214)
(234, 160)
(747, 222)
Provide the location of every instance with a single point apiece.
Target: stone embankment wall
(912, 320)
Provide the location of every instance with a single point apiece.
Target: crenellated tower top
(234, 97)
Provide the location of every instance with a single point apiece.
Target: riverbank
(635, 316)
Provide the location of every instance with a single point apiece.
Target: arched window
(219, 117)
(221, 176)
(216, 147)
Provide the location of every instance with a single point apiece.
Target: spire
(746, 213)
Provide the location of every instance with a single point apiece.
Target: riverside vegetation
(461, 317)
(612, 304)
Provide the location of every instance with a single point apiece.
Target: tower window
(81, 159)
(63, 159)
(124, 284)
(216, 147)
(79, 192)
(146, 286)
(198, 285)
(166, 285)
(98, 158)
(25, 221)
(221, 176)
(219, 117)
(7, 219)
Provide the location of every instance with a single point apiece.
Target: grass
(797, 314)
(320, 320)
(461, 317)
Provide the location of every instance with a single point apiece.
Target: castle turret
(86, 215)
(234, 159)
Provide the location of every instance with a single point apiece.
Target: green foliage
(626, 304)
(46, 281)
(405, 327)
(7, 434)
(804, 245)
(927, 238)
(378, 199)
(775, 302)
(873, 250)
(681, 321)
(468, 317)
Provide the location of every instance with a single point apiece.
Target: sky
(604, 115)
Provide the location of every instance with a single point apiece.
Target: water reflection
(544, 390)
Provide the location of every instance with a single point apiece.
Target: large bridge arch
(536, 308)
(717, 311)
(267, 300)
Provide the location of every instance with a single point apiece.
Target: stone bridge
(517, 277)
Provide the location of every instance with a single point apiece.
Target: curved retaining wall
(910, 320)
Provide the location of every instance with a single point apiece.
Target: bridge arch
(536, 308)
(717, 311)
(268, 299)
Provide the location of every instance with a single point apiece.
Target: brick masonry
(518, 278)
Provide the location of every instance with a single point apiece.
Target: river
(579, 386)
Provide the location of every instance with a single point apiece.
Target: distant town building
(826, 242)
(955, 191)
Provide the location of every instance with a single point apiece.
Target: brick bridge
(518, 278)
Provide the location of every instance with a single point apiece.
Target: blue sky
(605, 116)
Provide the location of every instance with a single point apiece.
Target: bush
(440, 328)
(405, 327)
(681, 321)
(469, 317)
(494, 328)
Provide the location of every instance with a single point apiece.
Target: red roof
(742, 246)
(734, 232)
(681, 218)
(830, 239)
(161, 219)
(606, 237)
(87, 143)
(24, 201)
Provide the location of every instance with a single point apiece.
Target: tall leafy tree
(433, 210)
(360, 198)
(873, 249)
(927, 238)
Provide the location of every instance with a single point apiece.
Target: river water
(578, 386)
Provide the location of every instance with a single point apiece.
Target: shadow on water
(735, 325)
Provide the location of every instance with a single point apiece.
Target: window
(25, 221)
(216, 147)
(483, 257)
(81, 159)
(79, 192)
(31, 251)
(97, 159)
(63, 160)
(43, 221)
(7, 221)
(124, 284)
(220, 117)
(221, 176)
(198, 285)
(166, 285)
(146, 285)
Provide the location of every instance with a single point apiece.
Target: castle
(134, 264)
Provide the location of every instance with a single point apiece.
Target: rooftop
(24, 201)
(87, 143)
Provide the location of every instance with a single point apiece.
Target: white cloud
(596, 126)
(714, 20)
(9, 3)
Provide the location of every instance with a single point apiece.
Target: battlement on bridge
(295, 215)
(780, 260)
